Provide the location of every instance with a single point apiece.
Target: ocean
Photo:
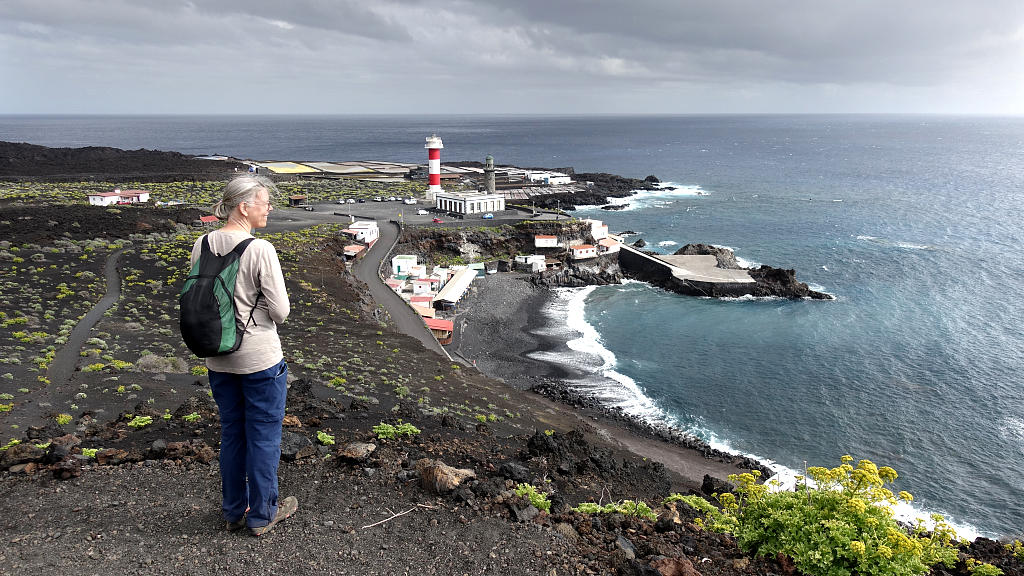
(911, 222)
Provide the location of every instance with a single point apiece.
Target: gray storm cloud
(530, 56)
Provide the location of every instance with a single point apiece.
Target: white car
(409, 200)
(422, 212)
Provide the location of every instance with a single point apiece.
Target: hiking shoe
(237, 524)
(285, 509)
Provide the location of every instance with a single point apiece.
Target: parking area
(417, 214)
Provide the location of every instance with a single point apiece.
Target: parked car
(351, 200)
(308, 208)
(438, 221)
(422, 212)
(378, 199)
(488, 216)
(341, 200)
(361, 201)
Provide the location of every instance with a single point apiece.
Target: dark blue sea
(913, 223)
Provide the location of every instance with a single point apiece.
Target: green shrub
(843, 526)
(386, 431)
(90, 452)
(140, 421)
(538, 499)
(324, 438)
(63, 419)
(191, 418)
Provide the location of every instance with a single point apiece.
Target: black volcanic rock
(29, 161)
(726, 258)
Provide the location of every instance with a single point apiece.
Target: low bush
(839, 525)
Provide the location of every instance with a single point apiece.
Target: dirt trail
(64, 362)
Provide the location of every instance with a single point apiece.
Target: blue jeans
(251, 412)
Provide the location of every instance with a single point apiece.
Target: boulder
(295, 446)
(440, 478)
(726, 258)
(356, 451)
(111, 457)
(680, 566)
(712, 485)
(20, 454)
(515, 471)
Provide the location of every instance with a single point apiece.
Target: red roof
(607, 242)
(545, 237)
(438, 324)
(421, 299)
(209, 219)
(583, 247)
(121, 193)
(354, 249)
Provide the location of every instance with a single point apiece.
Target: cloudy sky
(518, 56)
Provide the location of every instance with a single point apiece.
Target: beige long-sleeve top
(258, 270)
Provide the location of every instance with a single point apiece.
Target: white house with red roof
(545, 241)
(607, 246)
(583, 251)
(119, 196)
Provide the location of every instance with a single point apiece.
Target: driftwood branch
(396, 515)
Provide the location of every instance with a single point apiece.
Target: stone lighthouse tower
(489, 174)
(433, 146)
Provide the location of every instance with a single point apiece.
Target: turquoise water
(912, 222)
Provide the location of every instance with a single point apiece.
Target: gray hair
(241, 189)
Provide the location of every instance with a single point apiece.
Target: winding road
(405, 318)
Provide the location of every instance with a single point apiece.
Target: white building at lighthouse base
(469, 202)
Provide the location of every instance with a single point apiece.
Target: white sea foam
(659, 197)
(668, 243)
(894, 243)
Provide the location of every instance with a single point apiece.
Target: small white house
(532, 262)
(607, 246)
(421, 286)
(545, 241)
(364, 231)
(598, 229)
(119, 196)
(583, 251)
(402, 264)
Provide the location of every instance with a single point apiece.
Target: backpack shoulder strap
(241, 246)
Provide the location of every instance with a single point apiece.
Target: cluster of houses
(428, 290)
(576, 248)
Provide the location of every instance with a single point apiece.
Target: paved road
(405, 319)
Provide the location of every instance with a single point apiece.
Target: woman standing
(250, 384)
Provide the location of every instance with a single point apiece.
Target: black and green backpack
(210, 325)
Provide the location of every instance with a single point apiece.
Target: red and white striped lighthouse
(433, 147)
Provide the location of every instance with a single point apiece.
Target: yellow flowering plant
(838, 522)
